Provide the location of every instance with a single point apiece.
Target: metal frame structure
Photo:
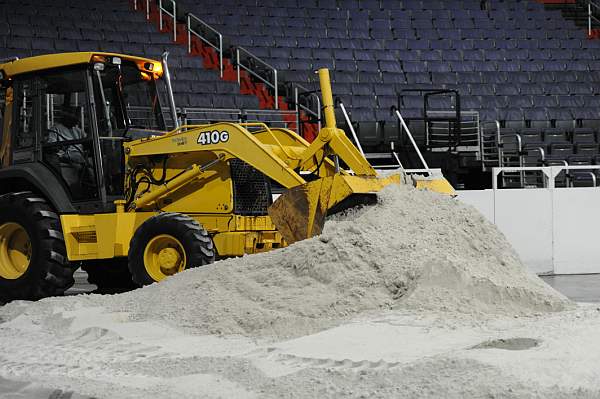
(241, 54)
(593, 15)
(549, 172)
(218, 46)
(172, 14)
(301, 92)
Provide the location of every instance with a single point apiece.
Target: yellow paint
(49, 61)
(105, 236)
(15, 251)
(164, 256)
(439, 185)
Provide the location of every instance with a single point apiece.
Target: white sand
(414, 250)
(386, 303)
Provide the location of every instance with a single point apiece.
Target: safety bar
(173, 15)
(301, 91)
(349, 123)
(410, 136)
(592, 8)
(549, 172)
(237, 115)
(273, 84)
(218, 46)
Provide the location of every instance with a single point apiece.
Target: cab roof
(49, 61)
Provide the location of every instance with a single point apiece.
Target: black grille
(251, 189)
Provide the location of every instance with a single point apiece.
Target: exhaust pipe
(167, 75)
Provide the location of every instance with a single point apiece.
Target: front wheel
(33, 259)
(166, 244)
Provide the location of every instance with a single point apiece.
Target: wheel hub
(15, 251)
(164, 256)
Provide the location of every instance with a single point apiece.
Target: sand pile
(415, 250)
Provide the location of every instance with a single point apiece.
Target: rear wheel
(166, 244)
(33, 260)
(109, 275)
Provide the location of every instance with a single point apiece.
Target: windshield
(131, 100)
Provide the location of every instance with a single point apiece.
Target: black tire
(49, 272)
(109, 275)
(196, 242)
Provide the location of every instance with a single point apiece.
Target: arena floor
(579, 287)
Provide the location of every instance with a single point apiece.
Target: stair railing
(593, 10)
(300, 92)
(241, 55)
(216, 44)
(172, 14)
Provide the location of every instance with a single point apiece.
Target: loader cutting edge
(300, 212)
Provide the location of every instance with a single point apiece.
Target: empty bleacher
(516, 62)
(34, 27)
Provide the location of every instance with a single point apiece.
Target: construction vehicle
(86, 181)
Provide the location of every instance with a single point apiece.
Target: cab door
(52, 125)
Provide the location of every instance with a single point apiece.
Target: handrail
(218, 47)
(349, 122)
(239, 66)
(135, 7)
(173, 15)
(550, 172)
(591, 15)
(242, 115)
(412, 140)
(299, 106)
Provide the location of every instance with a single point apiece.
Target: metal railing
(301, 93)
(218, 46)
(593, 15)
(489, 137)
(273, 118)
(550, 174)
(244, 59)
(247, 55)
(406, 130)
(440, 132)
(172, 14)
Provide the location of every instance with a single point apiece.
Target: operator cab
(70, 113)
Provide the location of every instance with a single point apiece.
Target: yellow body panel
(439, 185)
(105, 236)
(49, 61)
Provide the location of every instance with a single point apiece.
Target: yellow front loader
(86, 182)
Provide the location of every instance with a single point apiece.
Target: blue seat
(387, 101)
(580, 88)
(418, 77)
(481, 89)
(390, 66)
(436, 66)
(388, 77)
(367, 66)
(506, 89)
(443, 78)
(451, 54)
(461, 66)
(469, 77)
(372, 77)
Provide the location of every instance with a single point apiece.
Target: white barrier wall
(553, 230)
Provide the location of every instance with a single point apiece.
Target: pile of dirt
(414, 250)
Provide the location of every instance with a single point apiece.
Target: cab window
(67, 141)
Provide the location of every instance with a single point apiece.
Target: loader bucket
(434, 182)
(300, 212)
